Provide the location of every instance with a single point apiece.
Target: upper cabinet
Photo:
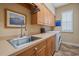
(37, 18)
(43, 16)
(31, 6)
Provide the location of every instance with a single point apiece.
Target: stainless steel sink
(19, 42)
(32, 38)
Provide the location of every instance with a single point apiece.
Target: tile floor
(66, 50)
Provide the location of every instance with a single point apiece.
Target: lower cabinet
(37, 50)
(43, 48)
(50, 46)
(42, 52)
(53, 45)
(28, 52)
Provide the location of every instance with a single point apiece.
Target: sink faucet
(22, 30)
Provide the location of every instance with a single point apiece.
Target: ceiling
(59, 4)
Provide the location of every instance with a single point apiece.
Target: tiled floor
(66, 50)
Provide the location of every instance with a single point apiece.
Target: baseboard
(72, 44)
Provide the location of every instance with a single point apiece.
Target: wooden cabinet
(43, 17)
(46, 21)
(43, 48)
(52, 20)
(42, 51)
(38, 18)
(27, 52)
(48, 17)
(50, 46)
(53, 44)
(37, 50)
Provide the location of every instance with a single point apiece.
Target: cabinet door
(53, 44)
(40, 19)
(49, 18)
(28, 52)
(45, 16)
(52, 20)
(42, 51)
(49, 47)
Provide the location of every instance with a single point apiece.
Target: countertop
(7, 49)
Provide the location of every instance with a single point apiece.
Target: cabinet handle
(35, 48)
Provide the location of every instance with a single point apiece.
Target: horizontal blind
(67, 21)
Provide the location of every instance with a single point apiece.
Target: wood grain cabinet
(43, 17)
(37, 50)
(27, 52)
(52, 20)
(50, 49)
(43, 48)
(37, 18)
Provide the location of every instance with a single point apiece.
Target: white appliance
(58, 39)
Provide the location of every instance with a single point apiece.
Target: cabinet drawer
(40, 45)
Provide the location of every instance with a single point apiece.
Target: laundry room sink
(19, 42)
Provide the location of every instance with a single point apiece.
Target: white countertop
(7, 49)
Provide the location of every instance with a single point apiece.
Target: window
(67, 21)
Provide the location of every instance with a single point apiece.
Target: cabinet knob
(35, 48)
